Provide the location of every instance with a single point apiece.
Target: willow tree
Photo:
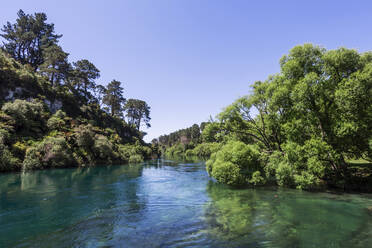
(309, 118)
(329, 92)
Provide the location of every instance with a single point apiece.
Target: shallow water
(171, 204)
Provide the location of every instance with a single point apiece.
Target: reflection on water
(287, 218)
(168, 203)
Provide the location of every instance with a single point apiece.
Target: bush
(300, 166)
(51, 152)
(212, 132)
(7, 122)
(236, 164)
(19, 149)
(103, 148)
(190, 153)
(85, 136)
(29, 116)
(205, 149)
(57, 122)
(134, 153)
(135, 158)
(7, 161)
(4, 136)
(175, 151)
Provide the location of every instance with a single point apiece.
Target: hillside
(53, 113)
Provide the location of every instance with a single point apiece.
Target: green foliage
(134, 153)
(7, 160)
(213, 132)
(29, 117)
(64, 121)
(103, 148)
(303, 121)
(85, 136)
(83, 74)
(256, 178)
(27, 39)
(187, 136)
(113, 97)
(55, 66)
(204, 150)
(175, 151)
(135, 158)
(50, 152)
(19, 149)
(236, 164)
(57, 121)
(137, 111)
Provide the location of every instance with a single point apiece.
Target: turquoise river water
(165, 203)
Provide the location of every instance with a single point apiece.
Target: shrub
(51, 152)
(175, 150)
(85, 136)
(212, 132)
(301, 166)
(206, 149)
(134, 153)
(236, 164)
(29, 116)
(19, 149)
(190, 153)
(7, 122)
(4, 136)
(7, 161)
(135, 158)
(57, 122)
(146, 152)
(103, 148)
(125, 152)
(256, 178)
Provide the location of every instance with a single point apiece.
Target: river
(164, 203)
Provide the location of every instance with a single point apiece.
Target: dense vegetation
(188, 142)
(53, 113)
(301, 127)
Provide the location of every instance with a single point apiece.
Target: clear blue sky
(188, 59)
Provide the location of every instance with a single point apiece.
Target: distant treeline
(185, 136)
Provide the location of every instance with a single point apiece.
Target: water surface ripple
(165, 203)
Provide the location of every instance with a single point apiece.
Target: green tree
(330, 92)
(113, 98)
(137, 111)
(27, 39)
(55, 65)
(99, 93)
(195, 133)
(307, 119)
(84, 75)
